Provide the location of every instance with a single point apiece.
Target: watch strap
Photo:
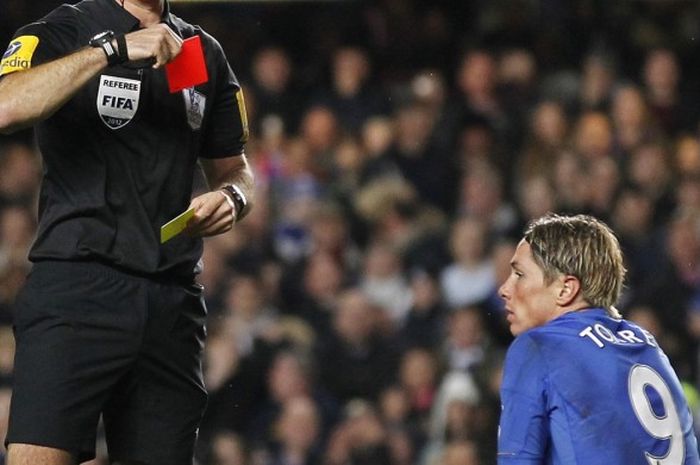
(239, 199)
(231, 204)
(114, 55)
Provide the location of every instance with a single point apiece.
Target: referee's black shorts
(93, 340)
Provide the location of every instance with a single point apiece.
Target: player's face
(529, 301)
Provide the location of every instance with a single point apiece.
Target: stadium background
(399, 147)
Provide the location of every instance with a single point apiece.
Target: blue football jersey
(587, 389)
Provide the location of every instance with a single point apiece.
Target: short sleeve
(524, 424)
(42, 41)
(227, 129)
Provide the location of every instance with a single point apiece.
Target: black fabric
(91, 339)
(107, 190)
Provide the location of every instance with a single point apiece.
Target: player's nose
(503, 290)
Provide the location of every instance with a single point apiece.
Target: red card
(188, 69)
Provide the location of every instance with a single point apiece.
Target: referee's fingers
(221, 226)
(167, 44)
(223, 212)
(212, 215)
(172, 43)
(204, 206)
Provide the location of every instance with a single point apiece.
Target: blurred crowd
(354, 316)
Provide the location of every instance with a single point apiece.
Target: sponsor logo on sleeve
(117, 100)
(18, 55)
(194, 106)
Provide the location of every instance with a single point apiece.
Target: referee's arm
(27, 97)
(32, 95)
(214, 213)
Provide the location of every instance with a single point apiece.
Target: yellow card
(175, 226)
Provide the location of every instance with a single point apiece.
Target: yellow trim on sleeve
(244, 115)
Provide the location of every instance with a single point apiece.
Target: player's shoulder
(569, 324)
(557, 334)
(558, 328)
(526, 346)
(62, 14)
(187, 29)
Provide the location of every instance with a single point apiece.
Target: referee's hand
(213, 214)
(157, 42)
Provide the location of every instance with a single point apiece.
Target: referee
(111, 322)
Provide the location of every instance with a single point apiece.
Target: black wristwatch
(104, 40)
(238, 197)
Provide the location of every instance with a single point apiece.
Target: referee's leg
(31, 454)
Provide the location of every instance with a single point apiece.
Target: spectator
(476, 83)
(649, 168)
(424, 323)
(597, 79)
(676, 285)
(687, 156)
(360, 439)
(418, 375)
(482, 195)
(453, 414)
(19, 174)
(311, 290)
(546, 139)
(593, 136)
(292, 377)
(377, 138)
(321, 132)
(417, 158)
(571, 182)
(235, 384)
(460, 453)
(671, 107)
(632, 219)
(605, 179)
(273, 89)
(298, 432)
(536, 197)
(357, 361)
(7, 356)
(467, 343)
(17, 228)
(632, 120)
(228, 449)
(248, 317)
(5, 394)
(470, 277)
(384, 283)
(353, 95)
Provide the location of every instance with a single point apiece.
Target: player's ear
(569, 290)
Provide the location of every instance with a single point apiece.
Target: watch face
(101, 36)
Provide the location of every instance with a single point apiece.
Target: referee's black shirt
(119, 157)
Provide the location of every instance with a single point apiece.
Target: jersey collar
(121, 20)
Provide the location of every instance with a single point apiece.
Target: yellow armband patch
(18, 55)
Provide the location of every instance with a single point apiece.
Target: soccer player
(581, 385)
(111, 321)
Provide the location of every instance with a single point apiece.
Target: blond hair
(580, 246)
